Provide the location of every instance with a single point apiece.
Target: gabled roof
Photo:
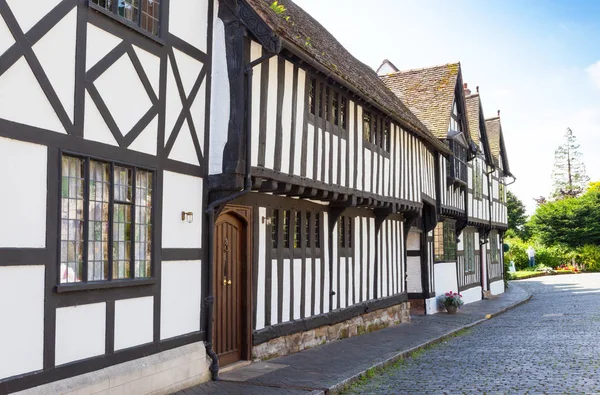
(387, 67)
(429, 93)
(305, 37)
(477, 124)
(494, 132)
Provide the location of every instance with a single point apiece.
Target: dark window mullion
(139, 16)
(86, 219)
(111, 210)
(113, 6)
(132, 226)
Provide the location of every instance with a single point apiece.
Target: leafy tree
(569, 178)
(573, 222)
(516, 213)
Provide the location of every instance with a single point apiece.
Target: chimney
(498, 113)
(467, 90)
(477, 88)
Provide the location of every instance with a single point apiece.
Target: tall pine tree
(569, 178)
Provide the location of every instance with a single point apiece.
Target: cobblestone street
(549, 345)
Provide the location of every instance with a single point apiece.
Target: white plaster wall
(471, 295)
(188, 21)
(262, 273)
(497, 287)
(134, 322)
(445, 277)
(162, 373)
(180, 298)
(80, 332)
(23, 172)
(413, 272)
(26, 14)
(22, 323)
(182, 193)
(431, 306)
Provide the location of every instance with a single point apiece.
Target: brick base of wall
(364, 323)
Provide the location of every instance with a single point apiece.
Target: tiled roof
(304, 34)
(428, 92)
(473, 106)
(493, 128)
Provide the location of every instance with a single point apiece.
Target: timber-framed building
(199, 182)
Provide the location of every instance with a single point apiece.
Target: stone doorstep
(359, 325)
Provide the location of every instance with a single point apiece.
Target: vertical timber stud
(381, 215)
(333, 216)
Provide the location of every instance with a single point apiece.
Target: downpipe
(212, 208)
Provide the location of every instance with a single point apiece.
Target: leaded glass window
(367, 126)
(445, 241)
(469, 245)
(106, 221)
(274, 229)
(142, 13)
(286, 229)
(297, 230)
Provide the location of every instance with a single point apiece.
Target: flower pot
(451, 309)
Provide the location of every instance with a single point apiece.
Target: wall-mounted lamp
(483, 240)
(266, 220)
(187, 216)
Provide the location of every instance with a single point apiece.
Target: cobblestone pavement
(547, 346)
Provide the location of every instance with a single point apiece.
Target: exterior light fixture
(187, 216)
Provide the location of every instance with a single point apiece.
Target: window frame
(445, 238)
(345, 239)
(494, 248)
(469, 251)
(298, 237)
(379, 136)
(110, 281)
(162, 9)
(320, 107)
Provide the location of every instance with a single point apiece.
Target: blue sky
(538, 61)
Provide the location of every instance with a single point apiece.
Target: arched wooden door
(229, 263)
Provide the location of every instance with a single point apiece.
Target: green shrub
(588, 255)
(517, 252)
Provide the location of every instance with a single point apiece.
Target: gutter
(212, 207)
(292, 47)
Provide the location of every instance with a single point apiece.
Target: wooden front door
(229, 263)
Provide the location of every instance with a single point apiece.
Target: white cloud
(594, 73)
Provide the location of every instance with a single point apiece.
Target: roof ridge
(492, 118)
(422, 68)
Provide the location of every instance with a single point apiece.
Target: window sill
(127, 23)
(77, 287)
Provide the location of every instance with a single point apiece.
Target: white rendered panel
(189, 70)
(326, 153)
(373, 245)
(386, 176)
(56, 53)
(471, 295)
(319, 138)
(173, 103)
(198, 112)
(317, 286)
(23, 177)
(357, 262)
(350, 280)
(326, 289)
(271, 113)
(182, 193)
(261, 275)
(368, 170)
(351, 141)
(497, 287)
(307, 291)
(413, 270)
(219, 96)
(342, 266)
(402, 263)
(146, 142)
(285, 300)
(297, 287)
(95, 128)
(188, 21)
(80, 332)
(183, 150)
(384, 259)
(359, 144)
(6, 37)
(255, 53)
(180, 303)
(310, 144)
(22, 329)
(286, 117)
(274, 292)
(344, 164)
(134, 322)
(20, 94)
(27, 14)
(335, 266)
(364, 239)
(299, 121)
(151, 65)
(334, 164)
(99, 44)
(445, 277)
(130, 90)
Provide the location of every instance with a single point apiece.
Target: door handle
(226, 282)
(229, 282)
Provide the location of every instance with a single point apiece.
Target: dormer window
(457, 165)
